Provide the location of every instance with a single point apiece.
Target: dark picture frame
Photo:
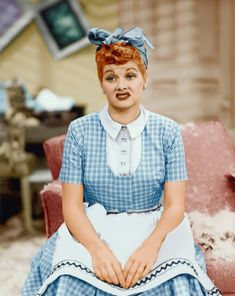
(63, 26)
(15, 15)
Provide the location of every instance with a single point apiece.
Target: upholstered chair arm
(52, 205)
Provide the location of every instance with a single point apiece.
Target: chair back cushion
(53, 149)
(210, 158)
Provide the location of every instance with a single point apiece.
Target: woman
(119, 161)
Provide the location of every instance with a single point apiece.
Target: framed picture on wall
(15, 15)
(63, 26)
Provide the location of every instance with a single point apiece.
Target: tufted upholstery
(53, 148)
(210, 159)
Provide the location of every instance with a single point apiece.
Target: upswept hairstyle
(118, 54)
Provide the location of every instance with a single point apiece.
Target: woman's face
(123, 85)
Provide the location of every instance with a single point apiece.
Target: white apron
(124, 233)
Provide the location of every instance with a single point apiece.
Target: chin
(125, 104)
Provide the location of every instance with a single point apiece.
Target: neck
(124, 116)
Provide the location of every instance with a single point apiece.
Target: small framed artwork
(15, 15)
(63, 26)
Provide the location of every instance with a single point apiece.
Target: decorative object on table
(15, 15)
(63, 26)
(47, 100)
(17, 99)
(54, 110)
(14, 147)
(14, 160)
(29, 104)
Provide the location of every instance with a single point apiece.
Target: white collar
(113, 128)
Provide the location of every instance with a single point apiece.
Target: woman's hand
(139, 264)
(106, 266)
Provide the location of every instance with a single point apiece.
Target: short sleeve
(175, 166)
(71, 169)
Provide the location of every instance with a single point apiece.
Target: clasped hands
(109, 269)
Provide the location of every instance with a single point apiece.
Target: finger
(137, 275)
(131, 274)
(127, 267)
(118, 270)
(98, 274)
(105, 275)
(112, 274)
(147, 270)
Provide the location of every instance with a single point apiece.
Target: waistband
(157, 207)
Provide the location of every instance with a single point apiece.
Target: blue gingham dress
(84, 161)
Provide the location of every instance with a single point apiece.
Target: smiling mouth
(123, 96)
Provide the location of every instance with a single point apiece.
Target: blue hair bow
(134, 37)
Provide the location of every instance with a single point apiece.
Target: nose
(121, 84)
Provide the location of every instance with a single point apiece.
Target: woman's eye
(110, 78)
(131, 76)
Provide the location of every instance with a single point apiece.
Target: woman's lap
(182, 285)
(70, 286)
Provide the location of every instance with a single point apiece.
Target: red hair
(118, 54)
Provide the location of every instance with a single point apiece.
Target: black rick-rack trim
(154, 273)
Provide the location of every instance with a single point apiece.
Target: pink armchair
(210, 159)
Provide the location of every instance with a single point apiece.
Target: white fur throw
(216, 234)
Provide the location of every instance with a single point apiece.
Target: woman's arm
(173, 213)
(105, 264)
(141, 262)
(74, 216)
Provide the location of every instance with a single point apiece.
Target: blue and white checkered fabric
(84, 161)
(162, 159)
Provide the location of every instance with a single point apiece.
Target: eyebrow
(131, 69)
(126, 70)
